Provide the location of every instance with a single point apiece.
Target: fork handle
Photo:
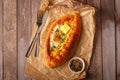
(37, 47)
(31, 46)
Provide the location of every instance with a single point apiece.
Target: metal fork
(39, 22)
(35, 39)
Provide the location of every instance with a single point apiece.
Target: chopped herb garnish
(59, 48)
(53, 48)
(57, 30)
(62, 40)
(63, 34)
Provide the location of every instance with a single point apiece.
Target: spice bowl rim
(83, 65)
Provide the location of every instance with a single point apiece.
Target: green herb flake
(63, 34)
(57, 30)
(53, 48)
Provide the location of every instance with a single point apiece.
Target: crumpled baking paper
(53, 10)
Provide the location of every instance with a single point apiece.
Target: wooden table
(17, 18)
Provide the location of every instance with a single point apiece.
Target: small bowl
(76, 62)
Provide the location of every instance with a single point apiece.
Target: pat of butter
(65, 28)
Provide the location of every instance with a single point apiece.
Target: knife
(39, 22)
(36, 37)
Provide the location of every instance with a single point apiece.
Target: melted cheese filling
(58, 36)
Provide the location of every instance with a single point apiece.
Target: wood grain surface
(9, 40)
(1, 32)
(17, 18)
(96, 61)
(108, 39)
(24, 32)
(117, 25)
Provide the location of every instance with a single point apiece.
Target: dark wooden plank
(117, 10)
(9, 40)
(108, 40)
(95, 69)
(34, 7)
(35, 4)
(1, 64)
(24, 33)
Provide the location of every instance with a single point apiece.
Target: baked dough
(61, 39)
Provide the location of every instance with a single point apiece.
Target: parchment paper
(35, 67)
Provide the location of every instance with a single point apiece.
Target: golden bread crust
(61, 57)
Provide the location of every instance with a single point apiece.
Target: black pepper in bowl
(76, 65)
